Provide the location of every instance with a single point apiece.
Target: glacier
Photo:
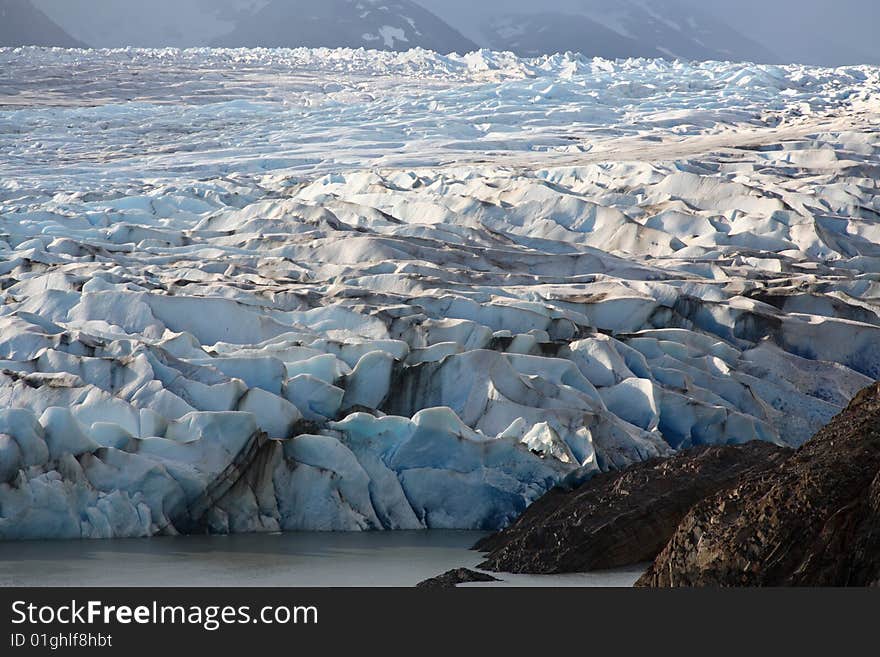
(343, 290)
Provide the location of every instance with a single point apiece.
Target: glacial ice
(347, 290)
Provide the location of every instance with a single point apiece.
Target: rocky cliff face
(812, 520)
(621, 518)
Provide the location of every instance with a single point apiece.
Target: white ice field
(346, 290)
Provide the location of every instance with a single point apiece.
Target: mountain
(624, 28)
(531, 35)
(22, 24)
(825, 33)
(375, 24)
(153, 24)
(778, 31)
(385, 24)
(782, 31)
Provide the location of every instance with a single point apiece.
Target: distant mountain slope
(148, 23)
(826, 33)
(22, 24)
(681, 29)
(549, 32)
(624, 28)
(379, 24)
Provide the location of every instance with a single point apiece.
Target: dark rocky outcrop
(453, 578)
(620, 518)
(813, 520)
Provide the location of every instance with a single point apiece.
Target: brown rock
(812, 520)
(455, 577)
(620, 518)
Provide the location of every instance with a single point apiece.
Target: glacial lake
(296, 559)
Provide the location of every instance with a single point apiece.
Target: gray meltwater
(297, 559)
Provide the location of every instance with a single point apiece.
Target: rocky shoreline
(748, 515)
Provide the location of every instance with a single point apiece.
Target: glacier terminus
(272, 290)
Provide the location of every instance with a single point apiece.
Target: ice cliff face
(340, 290)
